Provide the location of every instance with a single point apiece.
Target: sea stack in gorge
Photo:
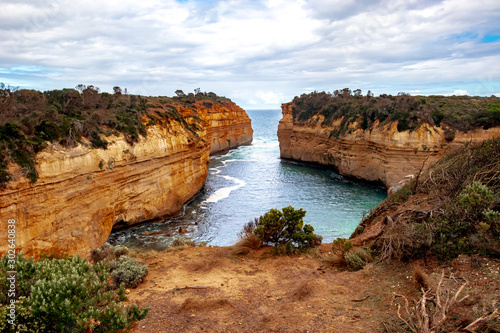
(355, 136)
(82, 192)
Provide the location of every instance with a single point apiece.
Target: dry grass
(182, 242)
(248, 239)
(333, 259)
(363, 254)
(143, 254)
(303, 291)
(247, 244)
(204, 264)
(107, 252)
(421, 278)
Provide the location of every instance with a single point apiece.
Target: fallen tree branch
(361, 299)
(189, 287)
(483, 319)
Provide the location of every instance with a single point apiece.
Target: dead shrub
(248, 239)
(248, 228)
(404, 236)
(108, 252)
(429, 313)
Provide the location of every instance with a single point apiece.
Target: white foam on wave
(226, 191)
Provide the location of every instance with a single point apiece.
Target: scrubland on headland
(426, 259)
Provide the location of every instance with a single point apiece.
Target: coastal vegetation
(451, 209)
(66, 294)
(283, 229)
(452, 113)
(30, 119)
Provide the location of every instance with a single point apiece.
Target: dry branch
(429, 313)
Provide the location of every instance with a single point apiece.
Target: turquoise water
(248, 181)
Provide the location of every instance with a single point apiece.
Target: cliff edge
(381, 152)
(82, 192)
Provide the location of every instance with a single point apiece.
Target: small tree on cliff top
(286, 227)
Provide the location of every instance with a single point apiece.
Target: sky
(259, 53)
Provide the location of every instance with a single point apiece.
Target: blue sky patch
(490, 38)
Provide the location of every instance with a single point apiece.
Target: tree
(179, 93)
(346, 92)
(286, 227)
(81, 87)
(197, 91)
(117, 90)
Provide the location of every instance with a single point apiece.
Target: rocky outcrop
(83, 193)
(229, 131)
(379, 154)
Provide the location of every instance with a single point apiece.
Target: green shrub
(67, 295)
(128, 270)
(402, 195)
(286, 227)
(341, 246)
(492, 219)
(354, 262)
(345, 255)
(475, 198)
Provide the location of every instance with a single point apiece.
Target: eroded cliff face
(229, 131)
(380, 154)
(82, 193)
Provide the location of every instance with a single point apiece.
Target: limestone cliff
(82, 193)
(380, 153)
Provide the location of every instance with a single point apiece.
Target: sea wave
(226, 191)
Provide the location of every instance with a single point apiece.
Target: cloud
(459, 92)
(259, 53)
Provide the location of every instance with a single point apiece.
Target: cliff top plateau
(30, 119)
(462, 113)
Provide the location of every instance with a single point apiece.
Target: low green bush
(128, 271)
(354, 262)
(475, 199)
(66, 295)
(344, 254)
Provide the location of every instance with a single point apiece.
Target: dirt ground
(208, 289)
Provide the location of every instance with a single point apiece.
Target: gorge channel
(248, 181)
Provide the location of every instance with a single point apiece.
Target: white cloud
(459, 92)
(259, 53)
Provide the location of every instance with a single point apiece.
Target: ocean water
(248, 181)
